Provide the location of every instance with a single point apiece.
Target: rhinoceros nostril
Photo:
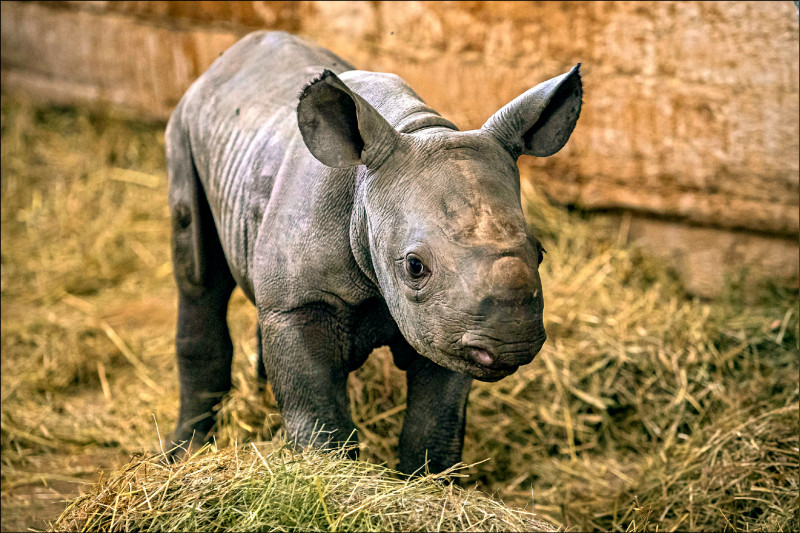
(510, 273)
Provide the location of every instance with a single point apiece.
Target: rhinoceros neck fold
(359, 229)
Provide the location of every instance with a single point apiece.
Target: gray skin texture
(353, 216)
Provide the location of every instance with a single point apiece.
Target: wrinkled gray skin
(353, 216)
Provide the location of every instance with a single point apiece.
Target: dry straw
(647, 408)
(245, 488)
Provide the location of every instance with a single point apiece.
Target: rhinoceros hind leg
(260, 368)
(203, 344)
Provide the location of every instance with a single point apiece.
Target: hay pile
(249, 489)
(647, 408)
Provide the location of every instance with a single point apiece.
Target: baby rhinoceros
(353, 216)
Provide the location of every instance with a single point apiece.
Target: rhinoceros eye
(415, 266)
(542, 251)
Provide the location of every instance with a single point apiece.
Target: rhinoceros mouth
(482, 372)
(496, 354)
(482, 363)
(487, 358)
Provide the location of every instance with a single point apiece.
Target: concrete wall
(690, 116)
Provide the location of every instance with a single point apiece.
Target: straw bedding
(248, 489)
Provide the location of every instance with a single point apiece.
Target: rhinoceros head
(438, 223)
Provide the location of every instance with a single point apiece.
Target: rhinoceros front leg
(304, 354)
(436, 405)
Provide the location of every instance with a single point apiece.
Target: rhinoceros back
(241, 119)
(240, 115)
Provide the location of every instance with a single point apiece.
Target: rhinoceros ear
(540, 121)
(340, 128)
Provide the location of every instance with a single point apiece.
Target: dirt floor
(646, 409)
